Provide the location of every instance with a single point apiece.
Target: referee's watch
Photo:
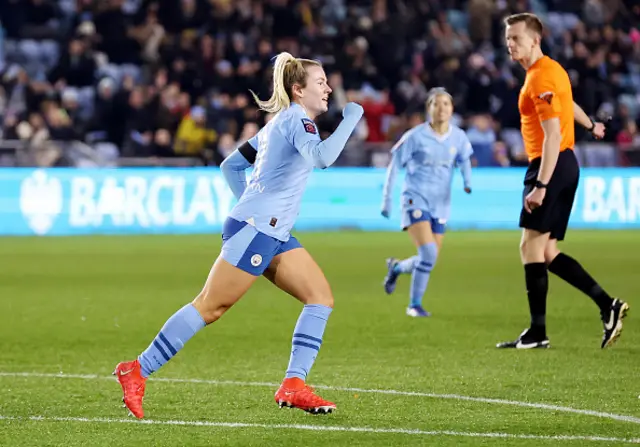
(540, 185)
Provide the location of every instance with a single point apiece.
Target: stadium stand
(149, 82)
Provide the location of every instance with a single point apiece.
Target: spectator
(628, 138)
(377, 107)
(76, 68)
(194, 138)
(128, 73)
(483, 139)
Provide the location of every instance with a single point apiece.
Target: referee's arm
(581, 117)
(549, 110)
(550, 149)
(597, 129)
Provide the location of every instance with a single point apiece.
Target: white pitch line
(486, 400)
(320, 428)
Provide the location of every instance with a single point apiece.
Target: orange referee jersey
(546, 94)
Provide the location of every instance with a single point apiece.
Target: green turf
(80, 305)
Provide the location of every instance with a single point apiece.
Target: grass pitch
(71, 308)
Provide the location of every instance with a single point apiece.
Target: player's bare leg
(532, 250)
(225, 285)
(296, 273)
(439, 240)
(612, 310)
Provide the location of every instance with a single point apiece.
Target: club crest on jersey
(256, 260)
(309, 126)
(546, 96)
(417, 214)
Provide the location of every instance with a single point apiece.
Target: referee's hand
(534, 199)
(598, 130)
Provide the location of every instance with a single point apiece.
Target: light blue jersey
(283, 153)
(271, 201)
(430, 160)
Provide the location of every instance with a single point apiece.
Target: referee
(547, 114)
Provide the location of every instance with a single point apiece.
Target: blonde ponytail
(287, 71)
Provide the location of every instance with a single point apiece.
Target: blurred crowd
(101, 81)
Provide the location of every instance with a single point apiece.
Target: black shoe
(527, 340)
(392, 276)
(612, 321)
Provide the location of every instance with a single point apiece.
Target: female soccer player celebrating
(256, 235)
(429, 152)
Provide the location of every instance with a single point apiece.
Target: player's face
(520, 41)
(315, 96)
(441, 109)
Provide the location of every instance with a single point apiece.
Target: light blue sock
(427, 255)
(406, 265)
(174, 334)
(307, 339)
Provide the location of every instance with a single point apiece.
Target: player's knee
(213, 315)
(319, 293)
(209, 308)
(327, 300)
(427, 255)
(324, 299)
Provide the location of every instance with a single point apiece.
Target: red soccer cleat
(130, 377)
(294, 393)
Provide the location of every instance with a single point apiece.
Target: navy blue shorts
(410, 217)
(250, 250)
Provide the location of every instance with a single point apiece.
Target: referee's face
(520, 41)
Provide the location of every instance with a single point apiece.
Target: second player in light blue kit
(256, 235)
(429, 153)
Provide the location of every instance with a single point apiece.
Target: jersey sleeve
(301, 132)
(233, 168)
(465, 150)
(253, 141)
(544, 93)
(401, 151)
(463, 158)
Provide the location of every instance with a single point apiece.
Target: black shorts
(553, 216)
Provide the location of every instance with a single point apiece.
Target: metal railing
(23, 153)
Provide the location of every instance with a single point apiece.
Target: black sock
(537, 281)
(572, 272)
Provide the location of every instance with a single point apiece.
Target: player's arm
(395, 164)
(233, 167)
(322, 154)
(464, 161)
